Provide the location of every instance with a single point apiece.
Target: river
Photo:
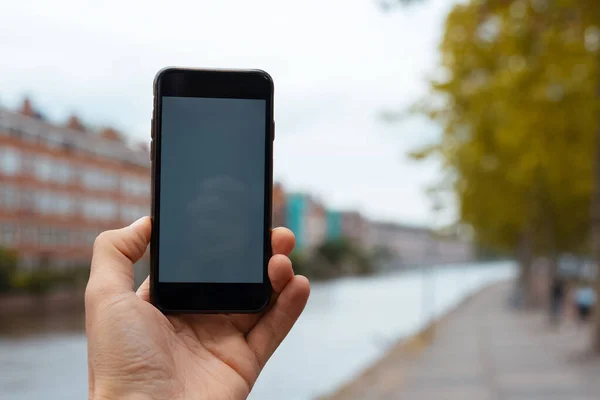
(347, 325)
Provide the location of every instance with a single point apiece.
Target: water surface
(348, 325)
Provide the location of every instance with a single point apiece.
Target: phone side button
(151, 150)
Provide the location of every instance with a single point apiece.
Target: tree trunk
(595, 234)
(555, 305)
(552, 270)
(595, 220)
(525, 282)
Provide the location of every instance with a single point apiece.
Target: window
(43, 168)
(53, 236)
(76, 204)
(98, 179)
(79, 237)
(30, 137)
(65, 205)
(110, 181)
(48, 169)
(53, 203)
(130, 213)
(62, 237)
(45, 236)
(29, 235)
(9, 197)
(99, 209)
(104, 151)
(88, 178)
(54, 141)
(15, 131)
(28, 200)
(61, 204)
(62, 172)
(7, 234)
(125, 184)
(91, 237)
(43, 202)
(69, 145)
(10, 161)
(28, 163)
(135, 186)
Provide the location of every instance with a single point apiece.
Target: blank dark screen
(212, 181)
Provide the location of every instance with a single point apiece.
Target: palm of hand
(135, 350)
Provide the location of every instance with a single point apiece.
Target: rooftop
(108, 143)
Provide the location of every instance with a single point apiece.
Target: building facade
(414, 246)
(350, 225)
(60, 186)
(354, 227)
(307, 218)
(315, 228)
(334, 225)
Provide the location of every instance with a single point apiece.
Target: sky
(337, 65)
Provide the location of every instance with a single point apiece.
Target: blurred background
(438, 161)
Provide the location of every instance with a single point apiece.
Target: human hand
(136, 352)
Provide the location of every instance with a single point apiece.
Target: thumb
(115, 252)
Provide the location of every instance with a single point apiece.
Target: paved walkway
(486, 351)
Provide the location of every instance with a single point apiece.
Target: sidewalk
(486, 351)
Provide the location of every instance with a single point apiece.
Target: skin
(136, 352)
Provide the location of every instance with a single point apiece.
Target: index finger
(115, 252)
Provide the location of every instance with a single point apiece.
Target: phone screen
(212, 190)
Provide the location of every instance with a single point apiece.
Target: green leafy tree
(520, 114)
(334, 258)
(335, 252)
(343, 257)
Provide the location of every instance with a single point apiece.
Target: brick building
(62, 185)
(315, 224)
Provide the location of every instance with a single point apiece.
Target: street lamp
(429, 272)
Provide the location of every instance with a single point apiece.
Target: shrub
(8, 269)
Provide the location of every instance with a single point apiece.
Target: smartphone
(212, 180)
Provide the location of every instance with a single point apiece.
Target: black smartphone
(212, 179)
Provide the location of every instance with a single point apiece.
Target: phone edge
(154, 121)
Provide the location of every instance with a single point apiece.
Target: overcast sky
(336, 65)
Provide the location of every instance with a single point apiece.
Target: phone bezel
(210, 297)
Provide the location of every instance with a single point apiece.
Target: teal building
(334, 225)
(296, 211)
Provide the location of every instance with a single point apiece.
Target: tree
(520, 90)
(342, 257)
(334, 258)
(595, 222)
(521, 117)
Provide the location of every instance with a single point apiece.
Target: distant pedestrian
(557, 295)
(585, 298)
